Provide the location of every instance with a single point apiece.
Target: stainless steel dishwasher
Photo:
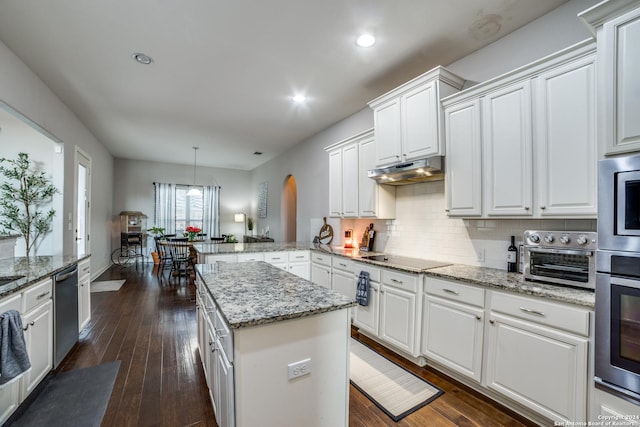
(65, 308)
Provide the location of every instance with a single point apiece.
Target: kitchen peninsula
(274, 346)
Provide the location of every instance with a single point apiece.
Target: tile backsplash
(423, 230)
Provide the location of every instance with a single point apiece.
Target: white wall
(46, 155)
(134, 180)
(421, 228)
(21, 89)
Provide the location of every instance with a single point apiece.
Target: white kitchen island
(274, 347)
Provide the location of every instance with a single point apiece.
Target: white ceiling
(224, 70)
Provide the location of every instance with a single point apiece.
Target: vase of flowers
(192, 232)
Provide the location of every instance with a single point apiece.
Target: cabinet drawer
(84, 268)
(298, 256)
(559, 316)
(454, 291)
(276, 257)
(251, 257)
(374, 273)
(212, 259)
(342, 263)
(400, 280)
(37, 294)
(223, 333)
(323, 259)
(13, 302)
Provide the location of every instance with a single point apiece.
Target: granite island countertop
(256, 293)
(33, 269)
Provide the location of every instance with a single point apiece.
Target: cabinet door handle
(526, 208)
(492, 321)
(44, 294)
(480, 317)
(543, 207)
(29, 324)
(449, 291)
(400, 282)
(528, 310)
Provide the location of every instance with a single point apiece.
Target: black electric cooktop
(414, 263)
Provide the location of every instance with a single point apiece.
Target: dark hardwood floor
(150, 326)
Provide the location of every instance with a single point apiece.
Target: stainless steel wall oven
(617, 312)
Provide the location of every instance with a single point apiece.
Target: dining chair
(164, 255)
(181, 257)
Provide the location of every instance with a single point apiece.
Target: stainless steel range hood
(429, 169)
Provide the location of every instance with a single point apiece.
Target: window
(189, 209)
(174, 210)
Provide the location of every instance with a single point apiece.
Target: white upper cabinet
(351, 192)
(374, 200)
(524, 143)
(408, 119)
(617, 26)
(506, 128)
(464, 159)
(343, 181)
(565, 140)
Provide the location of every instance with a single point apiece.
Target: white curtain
(211, 218)
(165, 209)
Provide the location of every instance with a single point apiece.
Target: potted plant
(157, 233)
(250, 225)
(24, 195)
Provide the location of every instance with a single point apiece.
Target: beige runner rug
(106, 285)
(393, 389)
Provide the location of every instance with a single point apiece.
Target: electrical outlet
(298, 369)
(480, 255)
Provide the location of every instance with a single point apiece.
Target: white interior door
(83, 202)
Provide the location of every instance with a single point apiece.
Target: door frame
(81, 156)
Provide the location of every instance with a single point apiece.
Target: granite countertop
(480, 276)
(514, 282)
(256, 293)
(9, 236)
(33, 269)
(236, 248)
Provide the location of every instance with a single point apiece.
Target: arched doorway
(289, 209)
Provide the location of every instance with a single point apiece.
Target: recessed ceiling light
(299, 98)
(366, 40)
(142, 58)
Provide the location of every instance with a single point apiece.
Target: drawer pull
(29, 324)
(299, 256)
(449, 291)
(342, 265)
(528, 310)
(219, 332)
(397, 281)
(275, 257)
(44, 294)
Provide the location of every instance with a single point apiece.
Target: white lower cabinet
(537, 355)
(453, 326)
(366, 318)
(398, 310)
(321, 269)
(38, 338)
(223, 374)
(35, 306)
(84, 293)
(295, 262)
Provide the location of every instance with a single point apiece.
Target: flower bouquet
(192, 231)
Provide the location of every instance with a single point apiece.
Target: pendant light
(194, 191)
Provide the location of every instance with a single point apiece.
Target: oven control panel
(561, 239)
